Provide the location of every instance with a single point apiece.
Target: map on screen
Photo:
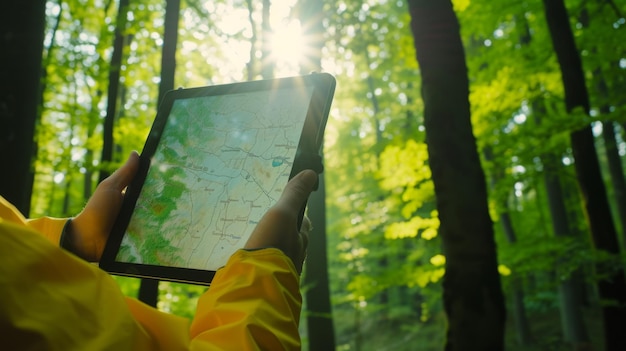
(221, 162)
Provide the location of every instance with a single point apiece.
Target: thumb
(122, 177)
(298, 190)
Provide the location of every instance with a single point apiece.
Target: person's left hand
(89, 230)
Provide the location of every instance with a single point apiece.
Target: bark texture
(612, 289)
(22, 26)
(473, 297)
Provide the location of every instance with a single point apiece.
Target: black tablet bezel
(310, 143)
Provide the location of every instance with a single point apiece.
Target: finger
(122, 177)
(297, 190)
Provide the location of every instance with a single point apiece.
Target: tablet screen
(218, 160)
(221, 163)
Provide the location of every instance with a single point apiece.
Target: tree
(472, 295)
(613, 287)
(149, 288)
(22, 31)
(267, 64)
(251, 65)
(520, 316)
(114, 87)
(321, 333)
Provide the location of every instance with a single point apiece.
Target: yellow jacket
(53, 300)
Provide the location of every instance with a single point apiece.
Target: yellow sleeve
(253, 304)
(53, 300)
(50, 227)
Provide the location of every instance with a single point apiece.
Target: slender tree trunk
(311, 13)
(48, 55)
(614, 160)
(251, 65)
(358, 337)
(267, 64)
(112, 92)
(617, 175)
(569, 289)
(319, 314)
(149, 288)
(170, 42)
(472, 293)
(22, 26)
(67, 153)
(94, 112)
(522, 326)
(570, 296)
(613, 287)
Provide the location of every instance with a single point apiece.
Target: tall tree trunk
(522, 326)
(614, 160)
(570, 289)
(149, 288)
(112, 92)
(311, 13)
(616, 173)
(22, 26)
(321, 333)
(48, 56)
(94, 113)
(570, 296)
(472, 293)
(251, 65)
(613, 287)
(267, 63)
(170, 42)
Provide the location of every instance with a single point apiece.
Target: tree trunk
(613, 287)
(614, 160)
(570, 296)
(251, 65)
(617, 174)
(522, 326)
(21, 43)
(170, 42)
(472, 294)
(112, 92)
(321, 332)
(570, 289)
(267, 64)
(149, 288)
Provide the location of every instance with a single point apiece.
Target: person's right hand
(279, 226)
(89, 230)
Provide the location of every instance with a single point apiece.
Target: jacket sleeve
(253, 304)
(50, 227)
(53, 300)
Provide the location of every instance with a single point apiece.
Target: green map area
(221, 163)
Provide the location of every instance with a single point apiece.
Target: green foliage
(179, 299)
(385, 258)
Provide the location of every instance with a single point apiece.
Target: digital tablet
(216, 159)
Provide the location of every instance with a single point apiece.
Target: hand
(279, 226)
(89, 230)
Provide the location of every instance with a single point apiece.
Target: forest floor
(403, 334)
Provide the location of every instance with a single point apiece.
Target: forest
(473, 194)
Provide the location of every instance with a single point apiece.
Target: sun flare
(287, 46)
